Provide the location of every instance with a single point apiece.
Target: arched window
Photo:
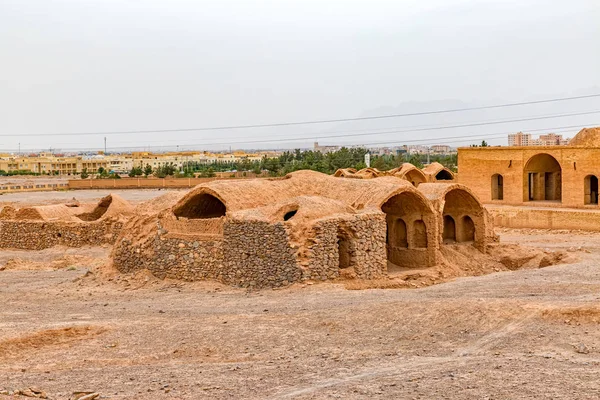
(497, 187)
(400, 237)
(590, 189)
(419, 234)
(466, 231)
(449, 233)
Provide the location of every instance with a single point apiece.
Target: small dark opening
(443, 175)
(201, 206)
(288, 215)
(344, 256)
(59, 234)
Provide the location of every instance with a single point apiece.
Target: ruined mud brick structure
(558, 176)
(73, 225)
(434, 172)
(306, 225)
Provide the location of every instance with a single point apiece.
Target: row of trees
(287, 162)
(328, 163)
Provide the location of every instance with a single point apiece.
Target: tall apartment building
(519, 139)
(552, 139)
(525, 139)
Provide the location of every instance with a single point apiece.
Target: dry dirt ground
(22, 199)
(67, 326)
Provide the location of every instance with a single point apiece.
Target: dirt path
(528, 334)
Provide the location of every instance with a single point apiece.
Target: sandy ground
(526, 334)
(57, 197)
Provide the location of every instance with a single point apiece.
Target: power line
(444, 139)
(411, 130)
(478, 136)
(370, 133)
(373, 131)
(310, 122)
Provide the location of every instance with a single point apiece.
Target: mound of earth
(461, 261)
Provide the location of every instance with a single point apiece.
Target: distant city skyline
(98, 66)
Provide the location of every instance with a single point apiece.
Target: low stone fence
(38, 235)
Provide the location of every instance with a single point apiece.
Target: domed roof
(587, 137)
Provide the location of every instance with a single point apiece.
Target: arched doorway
(408, 216)
(543, 179)
(449, 233)
(590, 189)
(466, 231)
(497, 187)
(345, 247)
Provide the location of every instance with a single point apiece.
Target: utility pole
(428, 150)
(104, 145)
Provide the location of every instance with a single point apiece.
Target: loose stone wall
(356, 243)
(170, 257)
(250, 254)
(38, 235)
(258, 254)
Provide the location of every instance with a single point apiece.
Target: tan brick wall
(478, 165)
(540, 218)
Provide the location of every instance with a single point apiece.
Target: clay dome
(587, 137)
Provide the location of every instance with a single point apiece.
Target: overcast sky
(108, 65)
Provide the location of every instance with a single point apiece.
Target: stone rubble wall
(38, 235)
(165, 256)
(250, 254)
(258, 254)
(370, 246)
(366, 236)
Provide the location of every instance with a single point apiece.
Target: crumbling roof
(435, 168)
(368, 173)
(245, 194)
(110, 206)
(296, 209)
(55, 212)
(344, 172)
(404, 169)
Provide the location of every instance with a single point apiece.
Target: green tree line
(287, 162)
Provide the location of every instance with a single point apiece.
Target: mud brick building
(559, 176)
(306, 225)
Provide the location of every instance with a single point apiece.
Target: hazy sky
(108, 65)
